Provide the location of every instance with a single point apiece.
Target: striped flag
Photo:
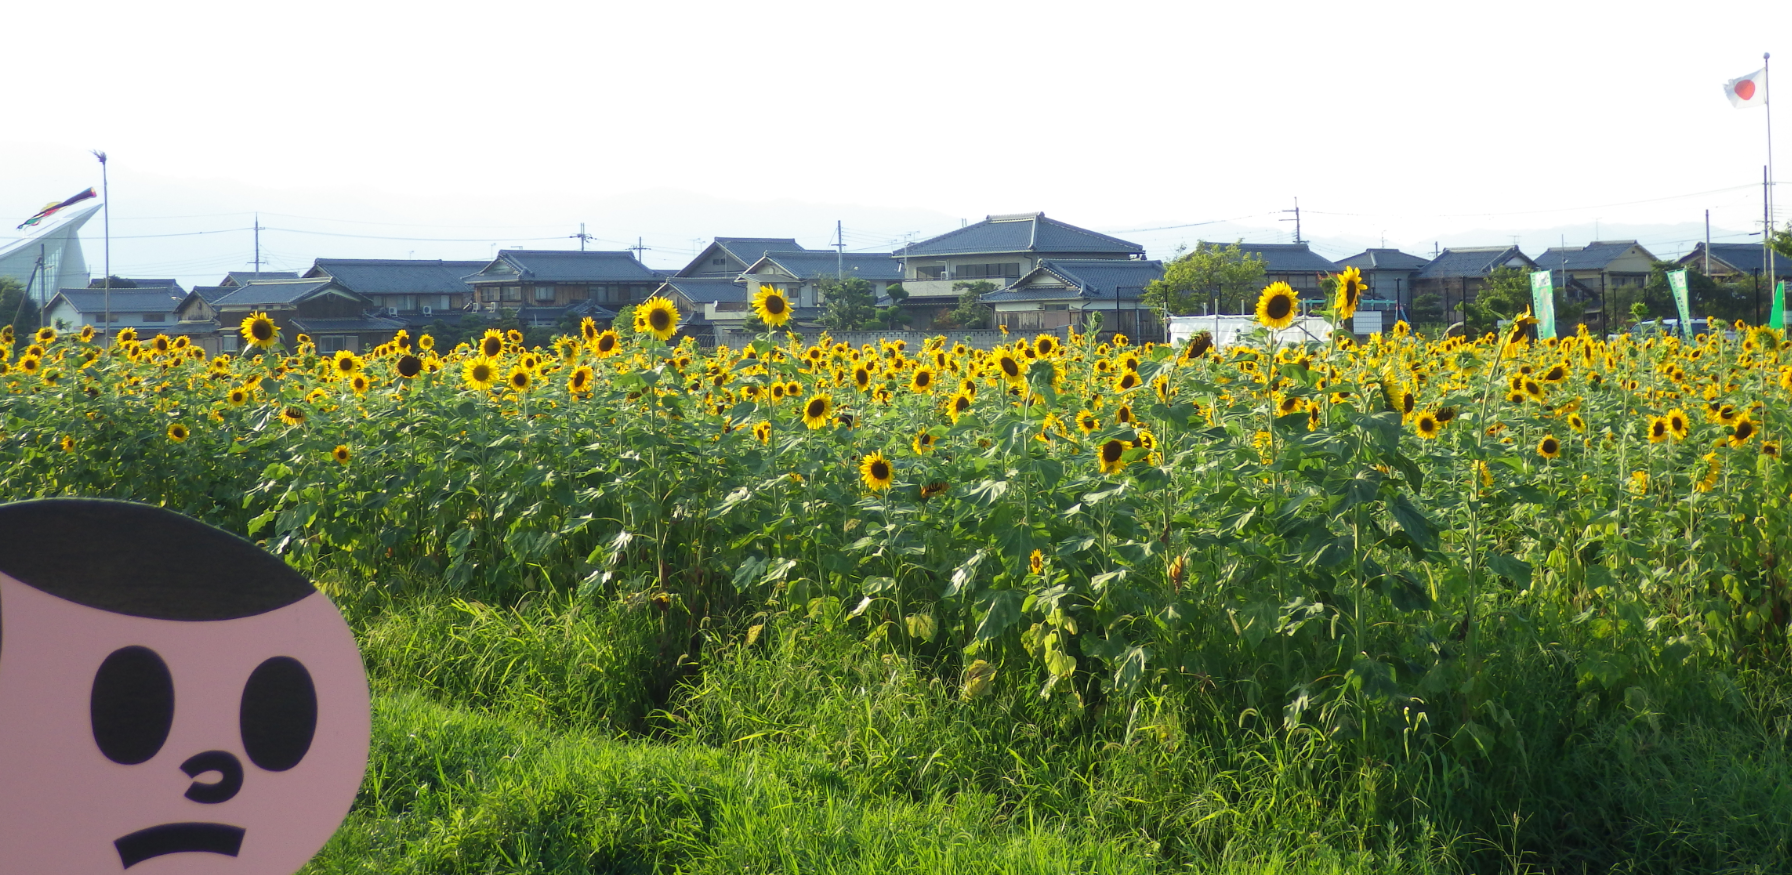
(52, 208)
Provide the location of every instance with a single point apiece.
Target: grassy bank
(559, 736)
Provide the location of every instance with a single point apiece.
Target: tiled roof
(242, 277)
(375, 276)
(1092, 279)
(1384, 259)
(211, 294)
(718, 290)
(750, 249)
(123, 300)
(1472, 262)
(1024, 232)
(326, 325)
(567, 265)
(265, 293)
(811, 265)
(1593, 256)
(1287, 257)
(1745, 257)
(142, 284)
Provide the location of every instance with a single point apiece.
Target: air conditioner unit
(429, 311)
(391, 311)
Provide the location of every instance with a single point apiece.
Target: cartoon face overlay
(205, 714)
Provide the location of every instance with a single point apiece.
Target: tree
(1507, 293)
(118, 282)
(1427, 309)
(16, 309)
(1192, 278)
(893, 316)
(851, 304)
(970, 312)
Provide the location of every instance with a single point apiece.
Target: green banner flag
(1543, 304)
(1677, 282)
(1777, 318)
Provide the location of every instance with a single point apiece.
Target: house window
(719, 262)
(544, 293)
(335, 342)
(513, 293)
(933, 272)
(155, 317)
(1007, 270)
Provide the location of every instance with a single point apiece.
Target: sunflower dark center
(261, 329)
(817, 408)
(1110, 452)
(1010, 367)
(1550, 446)
(482, 373)
(492, 346)
(659, 319)
(1278, 307)
(410, 366)
(774, 304)
(880, 470)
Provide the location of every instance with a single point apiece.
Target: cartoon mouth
(177, 838)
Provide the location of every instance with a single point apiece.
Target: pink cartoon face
(196, 722)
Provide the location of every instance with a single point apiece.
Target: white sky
(470, 126)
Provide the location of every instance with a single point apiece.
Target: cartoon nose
(222, 790)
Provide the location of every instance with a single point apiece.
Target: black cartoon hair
(141, 561)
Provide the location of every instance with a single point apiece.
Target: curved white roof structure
(58, 239)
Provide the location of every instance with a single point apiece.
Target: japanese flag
(1750, 90)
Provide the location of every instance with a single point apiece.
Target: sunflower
(1277, 306)
(1350, 292)
(658, 317)
(360, 384)
(426, 342)
(124, 336)
(1086, 422)
(958, 405)
(1556, 374)
(1128, 381)
(1009, 367)
(1045, 344)
(344, 365)
(770, 305)
(520, 379)
(340, 454)
(923, 442)
(177, 432)
(86, 335)
(1742, 430)
(1036, 562)
(479, 373)
(409, 366)
(1123, 415)
(762, 432)
(921, 382)
(1679, 425)
(1427, 426)
(580, 380)
(588, 329)
(46, 335)
(1196, 347)
(861, 378)
(937, 487)
(68, 444)
(1549, 447)
(876, 472)
(1111, 455)
(1576, 422)
(258, 330)
(492, 344)
(818, 412)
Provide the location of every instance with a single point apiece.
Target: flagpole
(1767, 101)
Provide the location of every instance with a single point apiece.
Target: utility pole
(258, 246)
(582, 237)
(1295, 220)
(106, 220)
(637, 249)
(1707, 243)
(839, 252)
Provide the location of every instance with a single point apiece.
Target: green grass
(530, 740)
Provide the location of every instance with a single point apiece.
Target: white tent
(1227, 330)
(57, 239)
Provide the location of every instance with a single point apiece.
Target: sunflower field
(1407, 604)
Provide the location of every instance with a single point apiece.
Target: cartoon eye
(279, 714)
(132, 705)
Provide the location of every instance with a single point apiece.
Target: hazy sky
(446, 129)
